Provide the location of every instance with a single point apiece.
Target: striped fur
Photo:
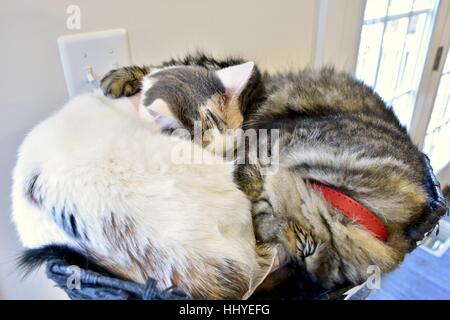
(335, 130)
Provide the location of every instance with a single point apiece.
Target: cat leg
(271, 229)
(266, 226)
(123, 82)
(250, 181)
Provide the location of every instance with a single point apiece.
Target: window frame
(338, 35)
(429, 83)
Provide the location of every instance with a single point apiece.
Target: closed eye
(215, 121)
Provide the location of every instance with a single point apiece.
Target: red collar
(353, 210)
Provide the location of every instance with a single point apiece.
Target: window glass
(394, 41)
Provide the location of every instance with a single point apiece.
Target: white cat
(100, 179)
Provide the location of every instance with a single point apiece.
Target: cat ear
(235, 78)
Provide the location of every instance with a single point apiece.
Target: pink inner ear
(235, 78)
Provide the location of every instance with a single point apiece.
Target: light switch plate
(93, 53)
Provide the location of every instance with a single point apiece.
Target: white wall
(277, 34)
(338, 33)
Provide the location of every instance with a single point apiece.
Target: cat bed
(94, 282)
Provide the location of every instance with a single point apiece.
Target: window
(394, 41)
(437, 140)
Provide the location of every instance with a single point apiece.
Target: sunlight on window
(437, 141)
(394, 41)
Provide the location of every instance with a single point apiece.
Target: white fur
(95, 157)
(235, 78)
(148, 82)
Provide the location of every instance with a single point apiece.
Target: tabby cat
(333, 130)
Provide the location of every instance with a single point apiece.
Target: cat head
(192, 97)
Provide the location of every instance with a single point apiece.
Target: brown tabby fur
(335, 130)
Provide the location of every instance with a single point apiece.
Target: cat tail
(31, 259)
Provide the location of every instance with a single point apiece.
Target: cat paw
(123, 82)
(298, 242)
